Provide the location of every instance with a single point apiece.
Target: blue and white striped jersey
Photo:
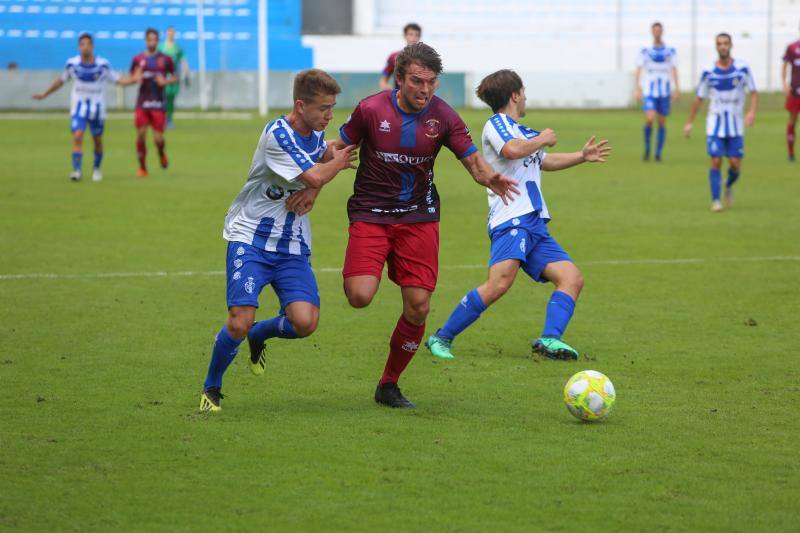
(726, 91)
(500, 129)
(657, 64)
(88, 90)
(258, 215)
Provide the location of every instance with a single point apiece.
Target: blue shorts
(79, 123)
(725, 146)
(527, 241)
(249, 269)
(659, 104)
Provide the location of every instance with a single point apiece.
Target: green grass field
(693, 315)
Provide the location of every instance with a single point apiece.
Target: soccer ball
(589, 395)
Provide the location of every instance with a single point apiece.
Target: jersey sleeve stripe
(344, 136)
(471, 150)
(286, 142)
(501, 128)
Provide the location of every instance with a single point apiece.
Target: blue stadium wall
(41, 34)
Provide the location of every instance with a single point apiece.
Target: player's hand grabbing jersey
(394, 181)
(258, 216)
(500, 129)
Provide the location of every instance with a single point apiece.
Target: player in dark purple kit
(394, 209)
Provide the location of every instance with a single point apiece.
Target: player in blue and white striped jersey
(518, 229)
(725, 84)
(656, 86)
(90, 74)
(268, 233)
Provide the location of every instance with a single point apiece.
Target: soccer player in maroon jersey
(394, 209)
(791, 88)
(412, 33)
(158, 71)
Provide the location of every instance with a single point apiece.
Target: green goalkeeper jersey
(174, 51)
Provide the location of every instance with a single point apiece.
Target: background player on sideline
(394, 209)
(175, 52)
(657, 88)
(724, 84)
(790, 75)
(412, 33)
(518, 230)
(158, 71)
(267, 243)
(90, 74)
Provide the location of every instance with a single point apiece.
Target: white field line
(327, 270)
(210, 115)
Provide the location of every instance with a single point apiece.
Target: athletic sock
(715, 179)
(733, 175)
(225, 348)
(170, 106)
(648, 134)
(278, 326)
(559, 312)
(77, 159)
(98, 158)
(160, 146)
(790, 139)
(402, 347)
(465, 313)
(661, 136)
(141, 153)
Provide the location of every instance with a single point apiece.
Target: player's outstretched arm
(687, 129)
(521, 148)
(131, 79)
(483, 173)
(592, 152)
(57, 83)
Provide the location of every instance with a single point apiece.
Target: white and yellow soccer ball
(589, 395)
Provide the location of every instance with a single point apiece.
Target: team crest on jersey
(275, 192)
(385, 127)
(432, 128)
(249, 285)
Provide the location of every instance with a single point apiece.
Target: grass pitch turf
(692, 315)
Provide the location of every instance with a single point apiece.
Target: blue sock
(733, 175)
(559, 312)
(98, 158)
(77, 158)
(278, 326)
(715, 178)
(465, 313)
(661, 136)
(648, 134)
(225, 348)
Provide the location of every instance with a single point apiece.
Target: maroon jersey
(151, 96)
(792, 56)
(388, 70)
(394, 180)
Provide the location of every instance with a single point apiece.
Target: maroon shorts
(411, 250)
(155, 118)
(793, 104)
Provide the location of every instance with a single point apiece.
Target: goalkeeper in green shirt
(174, 51)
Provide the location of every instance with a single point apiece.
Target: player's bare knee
(305, 326)
(417, 312)
(358, 298)
(716, 163)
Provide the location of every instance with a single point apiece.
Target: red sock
(402, 347)
(790, 138)
(141, 153)
(160, 146)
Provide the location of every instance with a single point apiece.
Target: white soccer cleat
(716, 206)
(728, 196)
(97, 175)
(75, 175)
